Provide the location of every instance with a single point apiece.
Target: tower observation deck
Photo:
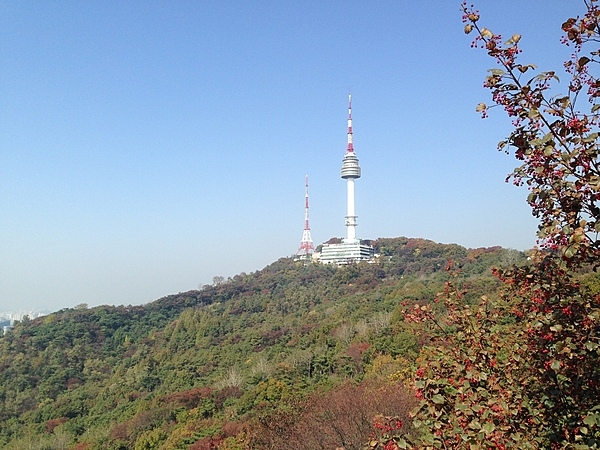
(350, 167)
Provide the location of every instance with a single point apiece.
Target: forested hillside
(292, 356)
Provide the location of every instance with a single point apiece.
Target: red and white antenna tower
(306, 245)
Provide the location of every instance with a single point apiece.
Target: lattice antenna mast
(306, 245)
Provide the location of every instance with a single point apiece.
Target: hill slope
(192, 370)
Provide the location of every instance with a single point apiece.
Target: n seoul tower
(351, 250)
(350, 172)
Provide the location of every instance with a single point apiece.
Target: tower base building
(346, 253)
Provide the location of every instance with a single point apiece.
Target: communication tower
(351, 249)
(350, 172)
(306, 244)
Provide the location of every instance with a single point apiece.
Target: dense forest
(296, 355)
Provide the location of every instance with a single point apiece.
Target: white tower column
(351, 214)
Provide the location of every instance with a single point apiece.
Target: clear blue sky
(146, 147)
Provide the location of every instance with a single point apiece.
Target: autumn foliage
(523, 370)
(341, 418)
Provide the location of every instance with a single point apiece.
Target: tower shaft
(351, 215)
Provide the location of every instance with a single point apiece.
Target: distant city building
(6, 323)
(20, 315)
(351, 249)
(8, 318)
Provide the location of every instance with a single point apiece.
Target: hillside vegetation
(292, 356)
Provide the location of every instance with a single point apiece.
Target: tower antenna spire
(306, 244)
(350, 147)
